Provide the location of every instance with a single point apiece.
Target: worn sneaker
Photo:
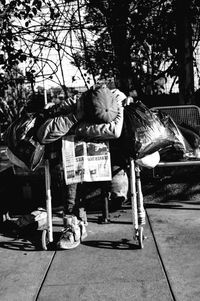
(73, 233)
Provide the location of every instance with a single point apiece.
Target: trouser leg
(74, 201)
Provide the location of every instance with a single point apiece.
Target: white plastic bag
(149, 161)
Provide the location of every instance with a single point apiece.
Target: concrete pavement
(108, 265)
(176, 229)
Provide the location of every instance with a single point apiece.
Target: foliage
(132, 40)
(18, 19)
(14, 97)
(14, 9)
(151, 37)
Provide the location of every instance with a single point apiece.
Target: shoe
(73, 233)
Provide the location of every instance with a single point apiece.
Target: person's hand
(128, 101)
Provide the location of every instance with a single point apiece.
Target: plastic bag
(192, 138)
(20, 140)
(145, 132)
(171, 154)
(16, 161)
(38, 217)
(119, 183)
(149, 161)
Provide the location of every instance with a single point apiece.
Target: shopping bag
(22, 144)
(145, 132)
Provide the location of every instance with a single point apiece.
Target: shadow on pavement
(123, 244)
(27, 239)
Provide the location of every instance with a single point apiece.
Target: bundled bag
(119, 183)
(145, 132)
(192, 143)
(171, 154)
(37, 217)
(189, 134)
(23, 148)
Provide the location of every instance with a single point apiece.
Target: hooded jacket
(55, 128)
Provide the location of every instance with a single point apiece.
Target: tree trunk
(184, 52)
(117, 20)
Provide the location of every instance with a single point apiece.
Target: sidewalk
(176, 228)
(108, 266)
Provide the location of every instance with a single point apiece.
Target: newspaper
(85, 161)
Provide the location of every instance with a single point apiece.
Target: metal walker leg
(47, 235)
(136, 203)
(140, 200)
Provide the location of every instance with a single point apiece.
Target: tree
(13, 97)
(142, 36)
(12, 91)
(25, 31)
(134, 42)
(184, 35)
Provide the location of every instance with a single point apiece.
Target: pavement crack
(161, 260)
(45, 275)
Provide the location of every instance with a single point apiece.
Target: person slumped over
(97, 115)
